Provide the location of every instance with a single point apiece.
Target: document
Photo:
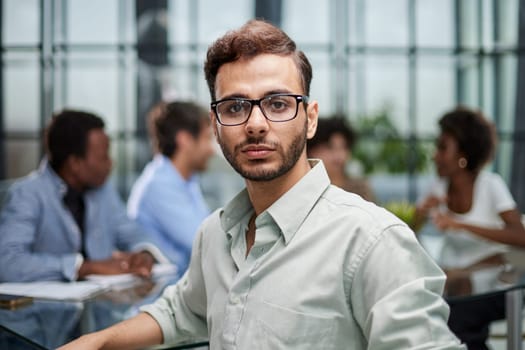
(122, 281)
(82, 290)
(51, 290)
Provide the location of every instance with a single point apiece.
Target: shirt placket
(241, 287)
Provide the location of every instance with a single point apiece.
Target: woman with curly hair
(477, 214)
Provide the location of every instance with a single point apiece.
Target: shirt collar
(290, 210)
(56, 181)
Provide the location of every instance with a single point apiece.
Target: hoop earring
(462, 162)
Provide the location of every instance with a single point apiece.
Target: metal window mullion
(412, 100)
(337, 52)
(46, 62)
(123, 175)
(3, 164)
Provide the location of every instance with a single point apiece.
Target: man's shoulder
(338, 203)
(34, 182)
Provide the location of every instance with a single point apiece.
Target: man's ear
(183, 139)
(312, 113)
(72, 164)
(213, 122)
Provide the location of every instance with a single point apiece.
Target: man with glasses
(291, 262)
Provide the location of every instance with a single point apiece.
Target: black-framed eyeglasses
(276, 108)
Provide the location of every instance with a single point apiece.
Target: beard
(288, 157)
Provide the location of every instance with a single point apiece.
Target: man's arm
(396, 295)
(20, 222)
(138, 332)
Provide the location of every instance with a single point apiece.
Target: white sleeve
(500, 195)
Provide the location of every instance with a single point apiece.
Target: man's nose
(257, 123)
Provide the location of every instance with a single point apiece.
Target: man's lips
(257, 151)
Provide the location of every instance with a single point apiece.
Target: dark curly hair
(67, 135)
(326, 127)
(475, 135)
(174, 117)
(254, 38)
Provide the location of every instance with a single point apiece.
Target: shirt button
(235, 299)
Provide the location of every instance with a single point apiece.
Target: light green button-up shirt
(328, 270)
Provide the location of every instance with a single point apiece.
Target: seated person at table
(333, 144)
(167, 200)
(64, 221)
(472, 206)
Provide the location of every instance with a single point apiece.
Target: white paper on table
(126, 279)
(78, 291)
(52, 290)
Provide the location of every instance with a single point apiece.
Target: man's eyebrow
(244, 96)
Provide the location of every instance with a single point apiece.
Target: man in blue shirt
(64, 221)
(166, 200)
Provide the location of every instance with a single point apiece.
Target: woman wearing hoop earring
(476, 213)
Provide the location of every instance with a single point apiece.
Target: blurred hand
(117, 264)
(141, 263)
(444, 221)
(430, 203)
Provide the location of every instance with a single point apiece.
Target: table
(474, 285)
(53, 323)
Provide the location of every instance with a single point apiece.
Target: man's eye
(235, 107)
(278, 105)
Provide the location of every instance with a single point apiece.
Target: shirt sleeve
(18, 231)
(396, 295)
(176, 219)
(501, 196)
(181, 310)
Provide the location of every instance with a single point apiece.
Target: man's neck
(264, 193)
(70, 180)
(182, 166)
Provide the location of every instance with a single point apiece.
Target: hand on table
(138, 263)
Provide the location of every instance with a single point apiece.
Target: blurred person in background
(65, 221)
(166, 200)
(333, 143)
(475, 211)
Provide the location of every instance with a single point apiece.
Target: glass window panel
(487, 24)
(468, 27)
(357, 85)
(180, 23)
(469, 71)
(309, 25)
(21, 92)
(356, 24)
(509, 72)
(321, 88)
(435, 91)
(386, 87)
(508, 22)
(179, 79)
(93, 85)
(503, 163)
(217, 17)
(22, 157)
(435, 23)
(386, 22)
(92, 22)
(486, 86)
(202, 93)
(21, 22)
